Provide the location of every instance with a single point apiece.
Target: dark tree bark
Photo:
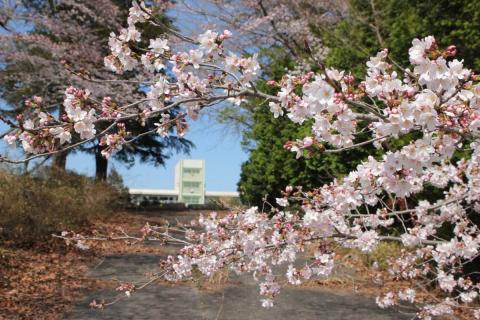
(101, 165)
(60, 160)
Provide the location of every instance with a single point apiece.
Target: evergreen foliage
(393, 24)
(389, 24)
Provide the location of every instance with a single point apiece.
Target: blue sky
(219, 147)
(221, 151)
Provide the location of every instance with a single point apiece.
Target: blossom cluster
(203, 75)
(438, 100)
(432, 111)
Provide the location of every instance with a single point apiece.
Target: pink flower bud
(349, 79)
(78, 94)
(307, 142)
(37, 99)
(271, 83)
(70, 90)
(451, 50)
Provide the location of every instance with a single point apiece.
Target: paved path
(239, 300)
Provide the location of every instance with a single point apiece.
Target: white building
(190, 181)
(189, 188)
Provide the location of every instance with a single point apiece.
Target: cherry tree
(432, 106)
(46, 46)
(269, 22)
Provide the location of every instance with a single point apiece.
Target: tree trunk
(60, 160)
(101, 165)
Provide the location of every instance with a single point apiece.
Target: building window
(191, 171)
(191, 200)
(191, 184)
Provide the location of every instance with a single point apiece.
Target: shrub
(382, 254)
(34, 206)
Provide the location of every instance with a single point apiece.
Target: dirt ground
(237, 298)
(56, 281)
(45, 280)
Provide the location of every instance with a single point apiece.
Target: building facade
(152, 197)
(190, 181)
(189, 188)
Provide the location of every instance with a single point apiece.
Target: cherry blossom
(433, 105)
